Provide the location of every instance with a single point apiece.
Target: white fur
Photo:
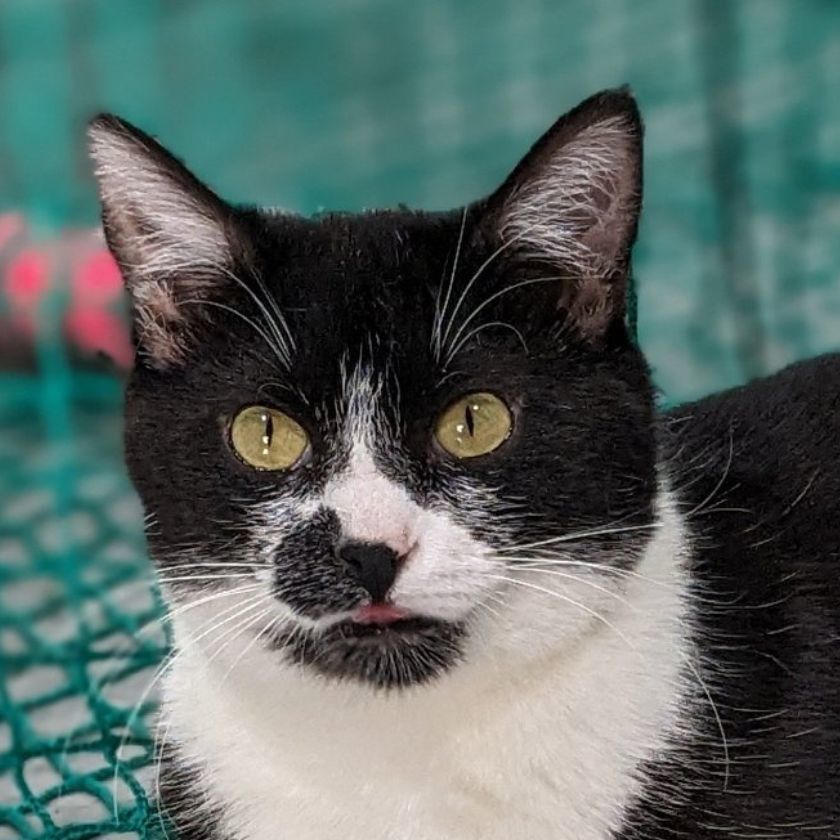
(443, 570)
(539, 735)
(371, 507)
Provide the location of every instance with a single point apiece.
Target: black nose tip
(374, 565)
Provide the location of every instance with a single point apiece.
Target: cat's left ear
(571, 207)
(172, 237)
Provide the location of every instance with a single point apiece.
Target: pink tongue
(379, 614)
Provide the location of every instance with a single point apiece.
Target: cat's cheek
(536, 618)
(450, 575)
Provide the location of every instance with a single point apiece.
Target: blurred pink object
(26, 278)
(74, 270)
(99, 331)
(98, 278)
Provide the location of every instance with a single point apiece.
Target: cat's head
(394, 439)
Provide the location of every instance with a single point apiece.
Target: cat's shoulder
(790, 419)
(757, 472)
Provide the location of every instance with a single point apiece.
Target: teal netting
(80, 625)
(350, 103)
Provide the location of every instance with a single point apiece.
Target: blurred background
(312, 104)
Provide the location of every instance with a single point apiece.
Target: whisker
(234, 633)
(214, 564)
(158, 622)
(582, 580)
(271, 321)
(501, 249)
(160, 746)
(195, 578)
(594, 613)
(494, 598)
(269, 625)
(237, 631)
(723, 478)
(506, 290)
(440, 312)
(718, 720)
(689, 664)
(280, 322)
(455, 350)
(165, 666)
(580, 535)
(249, 321)
(536, 561)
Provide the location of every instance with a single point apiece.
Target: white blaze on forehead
(370, 506)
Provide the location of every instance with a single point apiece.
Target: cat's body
(462, 582)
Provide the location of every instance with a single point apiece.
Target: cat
(438, 568)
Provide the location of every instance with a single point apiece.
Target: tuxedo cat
(437, 567)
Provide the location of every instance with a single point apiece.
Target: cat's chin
(394, 655)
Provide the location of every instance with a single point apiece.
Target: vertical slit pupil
(468, 416)
(269, 429)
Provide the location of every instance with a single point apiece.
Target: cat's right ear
(170, 235)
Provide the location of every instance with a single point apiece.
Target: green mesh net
(80, 628)
(350, 104)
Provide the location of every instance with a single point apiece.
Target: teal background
(350, 104)
(372, 102)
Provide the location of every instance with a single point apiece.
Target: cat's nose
(374, 565)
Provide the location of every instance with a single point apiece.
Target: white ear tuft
(163, 217)
(575, 211)
(166, 230)
(574, 201)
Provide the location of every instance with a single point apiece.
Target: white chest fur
(539, 747)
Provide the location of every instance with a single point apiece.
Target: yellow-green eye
(267, 439)
(474, 425)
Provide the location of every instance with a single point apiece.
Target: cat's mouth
(380, 614)
(378, 645)
(385, 629)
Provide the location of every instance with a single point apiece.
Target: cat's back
(757, 471)
(759, 466)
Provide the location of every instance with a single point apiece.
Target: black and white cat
(438, 570)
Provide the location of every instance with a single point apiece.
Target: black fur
(184, 810)
(410, 653)
(758, 469)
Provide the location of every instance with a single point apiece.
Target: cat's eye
(267, 439)
(474, 425)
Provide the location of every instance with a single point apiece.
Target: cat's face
(395, 434)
